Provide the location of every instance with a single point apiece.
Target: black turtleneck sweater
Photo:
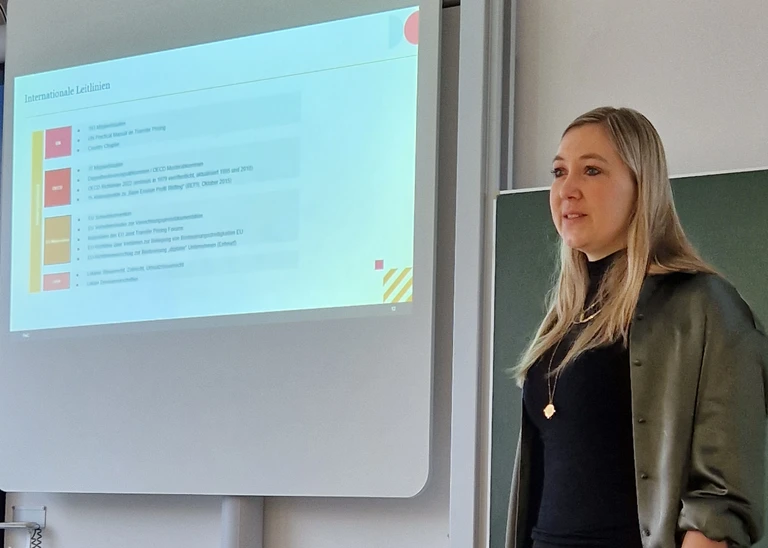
(583, 475)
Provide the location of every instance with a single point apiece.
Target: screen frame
(378, 476)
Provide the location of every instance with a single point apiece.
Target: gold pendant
(549, 411)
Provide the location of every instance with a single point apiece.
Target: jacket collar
(650, 285)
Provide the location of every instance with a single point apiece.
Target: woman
(644, 389)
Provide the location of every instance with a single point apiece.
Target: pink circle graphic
(411, 29)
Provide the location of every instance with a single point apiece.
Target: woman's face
(593, 193)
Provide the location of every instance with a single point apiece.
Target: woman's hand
(694, 539)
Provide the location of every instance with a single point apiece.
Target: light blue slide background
(326, 115)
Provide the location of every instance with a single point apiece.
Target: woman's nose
(570, 188)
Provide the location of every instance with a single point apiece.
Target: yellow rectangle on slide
(58, 235)
(398, 285)
(36, 214)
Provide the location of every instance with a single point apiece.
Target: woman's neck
(600, 266)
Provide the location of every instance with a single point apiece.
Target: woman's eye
(592, 171)
(557, 172)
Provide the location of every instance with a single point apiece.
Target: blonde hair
(656, 244)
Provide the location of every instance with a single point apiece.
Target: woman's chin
(574, 243)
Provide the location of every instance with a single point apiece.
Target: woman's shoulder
(711, 294)
(729, 323)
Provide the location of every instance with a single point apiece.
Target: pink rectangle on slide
(58, 142)
(53, 282)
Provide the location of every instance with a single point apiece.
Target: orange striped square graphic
(398, 285)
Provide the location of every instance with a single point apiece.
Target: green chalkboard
(725, 217)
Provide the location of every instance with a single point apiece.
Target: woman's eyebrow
(589, 156)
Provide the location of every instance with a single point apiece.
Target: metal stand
(242, 522)
(28, 525)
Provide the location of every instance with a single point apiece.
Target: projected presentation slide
(268, 173)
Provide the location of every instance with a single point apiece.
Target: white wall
(698, 70)
(97, 521)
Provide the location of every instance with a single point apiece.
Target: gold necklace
(550, 410)
(583, 318)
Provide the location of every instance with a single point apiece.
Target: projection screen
(217, 247)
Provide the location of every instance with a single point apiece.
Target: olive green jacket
(699, 383)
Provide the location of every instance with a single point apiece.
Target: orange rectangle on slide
(54, 282)
(57, 248)
(58, 183)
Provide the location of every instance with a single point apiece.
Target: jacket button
(639, 317)
(637, 363)
(641, 421)
(647, 532)
(644, 476)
